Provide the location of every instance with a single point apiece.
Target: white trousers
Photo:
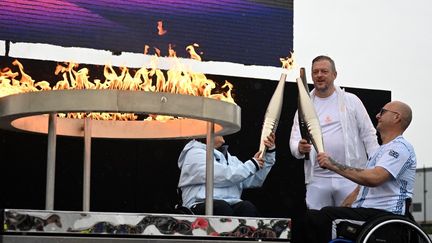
(328, 191)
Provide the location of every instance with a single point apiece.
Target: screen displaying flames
(179, 79)
(239, 31)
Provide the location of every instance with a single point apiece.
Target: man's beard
(323, 88)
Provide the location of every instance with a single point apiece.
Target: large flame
(178, 79)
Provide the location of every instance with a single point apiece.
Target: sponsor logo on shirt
(394, 154)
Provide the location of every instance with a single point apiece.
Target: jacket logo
(328, 119)
(394, 154)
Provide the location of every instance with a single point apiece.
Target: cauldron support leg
(51, 161)
(209, 169)
(87, 163)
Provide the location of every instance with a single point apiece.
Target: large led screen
(241, 31)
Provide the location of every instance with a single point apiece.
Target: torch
(272, 115)
(302, 124)
(307, 113)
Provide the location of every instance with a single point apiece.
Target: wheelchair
(178, 207)
(384, 228)
(394, 229)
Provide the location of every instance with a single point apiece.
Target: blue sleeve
(258, 178)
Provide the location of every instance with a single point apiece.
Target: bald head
(405, 112)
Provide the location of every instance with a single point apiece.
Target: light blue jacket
(230, 175)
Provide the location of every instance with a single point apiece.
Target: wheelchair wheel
(392, 228)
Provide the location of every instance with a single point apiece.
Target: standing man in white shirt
(348, 133)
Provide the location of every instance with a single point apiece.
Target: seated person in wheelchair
(231, 176)
(384, 185)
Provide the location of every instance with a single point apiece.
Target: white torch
(272, 115)
(308, 115)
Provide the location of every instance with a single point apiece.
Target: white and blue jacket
(230, 174)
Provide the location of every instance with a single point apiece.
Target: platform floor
(21, 225)
(62, 239)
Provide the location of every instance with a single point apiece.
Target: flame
(160, 28)
(171, 52)
(10, 85)
(192, 52)
(288, 62)
(157, 51)
(177, 80)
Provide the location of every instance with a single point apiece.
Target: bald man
(384, 185)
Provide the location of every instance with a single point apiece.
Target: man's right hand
(304, 147)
